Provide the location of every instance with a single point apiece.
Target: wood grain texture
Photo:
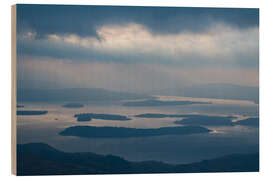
(13, 91)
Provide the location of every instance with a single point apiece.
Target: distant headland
(153, 102)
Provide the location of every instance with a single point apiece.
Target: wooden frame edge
(13, 90)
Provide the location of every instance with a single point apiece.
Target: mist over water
(169, 84)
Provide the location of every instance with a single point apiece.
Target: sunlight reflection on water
(222, 140)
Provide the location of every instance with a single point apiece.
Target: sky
(138, 49)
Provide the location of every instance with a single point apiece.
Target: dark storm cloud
(137, 49)
(190, 37)
(64, 50)
(84, 20)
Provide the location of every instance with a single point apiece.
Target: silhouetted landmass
(201, 120)
(153, 102)
(74, 95)
(248, 122)
(20, 106)
(31, 113)
(42, 159)
(156, 115)
(73, 105)
(90, 116)
(122, 132)
(219, 91)
(191, 119)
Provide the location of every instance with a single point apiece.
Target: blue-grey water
(171, 148)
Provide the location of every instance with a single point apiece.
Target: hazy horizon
(138, 49)
(129, 85)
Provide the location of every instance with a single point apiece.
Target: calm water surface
(171, 148)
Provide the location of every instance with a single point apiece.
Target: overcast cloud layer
(124, 48)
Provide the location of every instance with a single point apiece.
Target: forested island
(73, 105)
(204, 120)
(193, 119)
(31, 113)
(90, 116)
(157, 115)
(248, 122)
(122, 132)
(201, 120)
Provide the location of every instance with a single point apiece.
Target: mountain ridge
(42, 159)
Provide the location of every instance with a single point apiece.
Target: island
(73, 105)
(194, 119)
(204, 120)
(248, 122)
(156, 115)
(42, 159)
(153, 102)
(31, 113)
(90, 116)
(123, 132)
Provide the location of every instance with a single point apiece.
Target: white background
(5, 86)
